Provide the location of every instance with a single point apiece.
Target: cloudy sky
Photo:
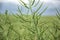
(26, 1)
(51, 3)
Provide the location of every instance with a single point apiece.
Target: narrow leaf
(1, 27)
(37, 3)
(20, 11)
(29, 29)
(33, 2)
(24, 4)
(42, 12)
(39, 8)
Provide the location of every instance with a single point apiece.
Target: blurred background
(12, 6)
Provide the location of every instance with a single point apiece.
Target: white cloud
(51, 1)
(7, 1)
(26, 1)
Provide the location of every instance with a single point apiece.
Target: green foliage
(29, 27)
(34, 20)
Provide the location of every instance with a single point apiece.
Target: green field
(13, 27)
(27, 26)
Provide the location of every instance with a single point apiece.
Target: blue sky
(50, 3)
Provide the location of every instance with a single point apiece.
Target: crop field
(27, 26)
(13, 27)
